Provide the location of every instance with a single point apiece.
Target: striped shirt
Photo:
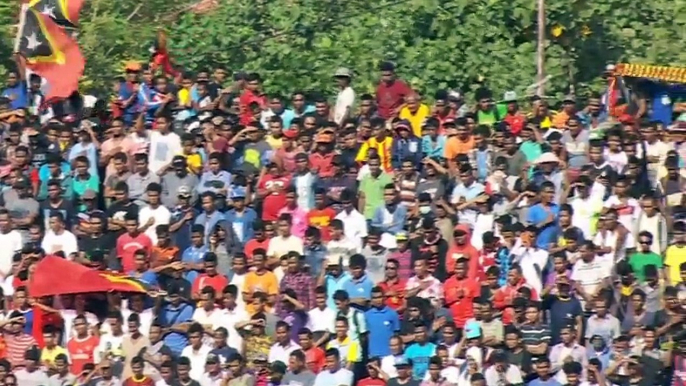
(17, 346)
(534, 334)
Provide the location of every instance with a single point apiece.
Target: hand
(213, 240)
(189, 215)
(424, 285)
(177, 265)
(150, 222)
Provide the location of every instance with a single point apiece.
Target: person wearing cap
(176, 178)
(320, 161)
(345, 100)
(284, 156)
(406, 146)
(513, 117)
(568, 110)
(391, 92)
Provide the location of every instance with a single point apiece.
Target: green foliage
(298, 44)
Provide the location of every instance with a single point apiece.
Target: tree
(298, 44)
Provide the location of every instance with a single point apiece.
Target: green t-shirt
(372, 188)
(638, 261)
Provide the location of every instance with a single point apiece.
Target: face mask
(424, 209)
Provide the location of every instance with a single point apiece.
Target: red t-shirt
(127, 247)
(371, 382)
(252, 245)
(515, 122)
(274, 201)
(245, 100)
(321, 218)
(81, 352)
(391, 96)
(322, 164)
(459, 297)
(218, 282)
(144, 381)
(394, 302)
(314, 358)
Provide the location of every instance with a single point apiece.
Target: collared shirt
(354, 226)
(382, 323)
(279, 352)
(349, 350)
(303, 285)
(359, 288)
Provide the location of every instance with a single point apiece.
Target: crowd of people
(343, 239)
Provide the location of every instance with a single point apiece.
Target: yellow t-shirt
(48, 356)
(266, 283)
(193, 161)
(674, 257)
(349, 349)
(184, 97)
(275, 143)
(417, 118)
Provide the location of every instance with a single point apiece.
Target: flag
(51, 53)
(63, 12)
(160, 56)
(124, 283)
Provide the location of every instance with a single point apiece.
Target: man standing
(298, 373)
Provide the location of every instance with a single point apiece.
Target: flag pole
(22, 21)
(540, 48)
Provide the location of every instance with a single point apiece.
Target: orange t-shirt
(321, 218)
(162, 256)
(454, 147)
(265, 282)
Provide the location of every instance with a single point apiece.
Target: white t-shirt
(605, 238)
(197, 359)
(281, 353)
(354, 226)
(279, 246)
(65, 242)
(512, 376)
(111, 343)
(228, 319)
(590, 275)
(321, 320)
(239, 281)
(162, 149)
(345, 100)
(585, 211)
(626, 214)
(161, 215)
(11, 243)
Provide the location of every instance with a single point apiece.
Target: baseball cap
(278, 367)
(569, 99)
(179, 160)
(22, 182)
(89, 194)
(343, 72)
(404, 124)
(261, 358)
(472, 330)
(184, 191)
(290, 134)
(402, 362)
(301, 157)
(510, 96)
(401, 236)
(238, 192)
(212, 358)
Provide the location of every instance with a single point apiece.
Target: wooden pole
(540, 49)
(20, 28)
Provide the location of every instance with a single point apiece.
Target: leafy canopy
(298, 44)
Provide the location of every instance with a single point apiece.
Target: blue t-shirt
(195, 256)
(18, 96)
(550, 382)
(548, 234)
(382, 325)
(420, 355)
(171, 316)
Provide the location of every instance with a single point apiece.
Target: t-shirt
(394, 382)
(639, 261)
(303, 378)
(674, 256)
(420, 355)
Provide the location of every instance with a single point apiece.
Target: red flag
(160, 56)
(51, 53)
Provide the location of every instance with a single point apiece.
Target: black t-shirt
(65, 207)
(521, 359)
(104, 243)
(394, 382)
(193, 382)
(39, 154)
(119, 210)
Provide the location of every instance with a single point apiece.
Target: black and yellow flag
(64, 12)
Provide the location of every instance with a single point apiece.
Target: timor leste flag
(51, 53)
(64, 12)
